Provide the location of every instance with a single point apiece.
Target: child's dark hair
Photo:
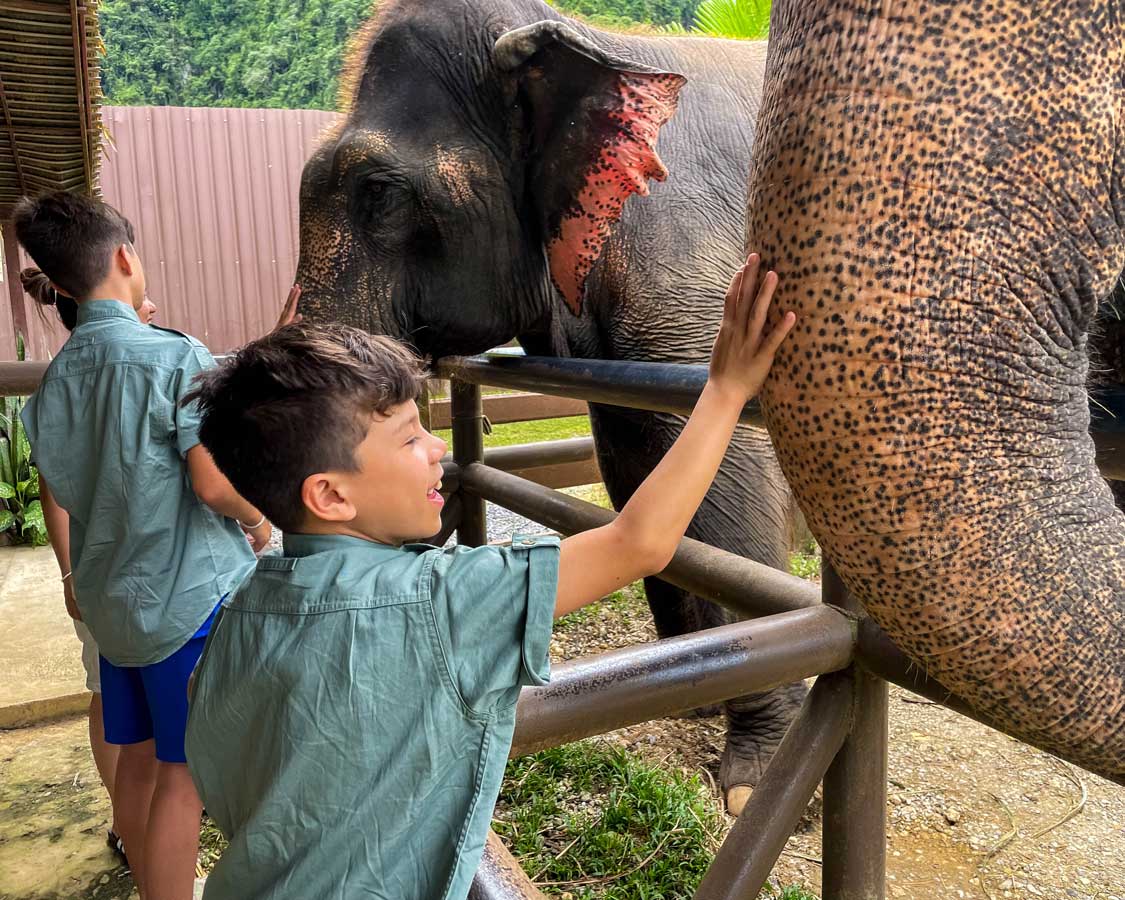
(296, 402)
(39, 288)
(72, 238)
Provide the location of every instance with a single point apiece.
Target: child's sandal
(114, 842)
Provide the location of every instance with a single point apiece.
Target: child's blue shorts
(143, 702)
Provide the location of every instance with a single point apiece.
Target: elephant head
(488, 149)
(940, 185)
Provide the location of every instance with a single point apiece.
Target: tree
(272, 53)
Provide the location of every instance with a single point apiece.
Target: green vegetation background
(271, 53)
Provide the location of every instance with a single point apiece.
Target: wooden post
(15, 288)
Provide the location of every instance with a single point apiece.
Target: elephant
(470, 197)
(941, 186)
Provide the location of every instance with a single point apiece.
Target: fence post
(468, 447)
(855, 786)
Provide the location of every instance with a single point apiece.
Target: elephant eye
(383, 206)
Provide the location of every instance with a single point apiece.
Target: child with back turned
(353, 710)
(153, 541)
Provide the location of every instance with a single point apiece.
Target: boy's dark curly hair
(297, 402)
(72, 238)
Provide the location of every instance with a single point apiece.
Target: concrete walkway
(41, 673)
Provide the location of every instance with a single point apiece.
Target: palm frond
(745, 19)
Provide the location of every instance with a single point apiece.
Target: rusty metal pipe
(544, 453)
(500, 876)
(747, 587)
(596, 694)
(659, 387)
(468, 448)
(662, 387)
(749, 853)
(855, 786)
(18, 379)
(530, 456)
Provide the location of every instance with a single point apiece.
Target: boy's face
(395, 491)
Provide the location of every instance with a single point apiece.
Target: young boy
(353, 709)
(154, 536)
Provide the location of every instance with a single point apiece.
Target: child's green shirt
(353, 711)
(110, 437)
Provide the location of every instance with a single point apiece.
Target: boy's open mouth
(434, 494)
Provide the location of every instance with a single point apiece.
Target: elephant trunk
(938, 186)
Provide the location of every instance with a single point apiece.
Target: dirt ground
(973, 814)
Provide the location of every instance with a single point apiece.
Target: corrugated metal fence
(213, 196)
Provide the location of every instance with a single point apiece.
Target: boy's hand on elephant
(289, 313)
(744, 351)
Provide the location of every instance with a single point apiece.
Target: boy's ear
(323, 501)
(123, 260)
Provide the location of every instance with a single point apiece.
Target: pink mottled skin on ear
(622, 168)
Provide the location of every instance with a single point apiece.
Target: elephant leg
(748, 511)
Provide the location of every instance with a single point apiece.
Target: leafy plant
(743, 19)
(21, 513)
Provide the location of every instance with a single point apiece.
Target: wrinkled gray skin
(388, 246)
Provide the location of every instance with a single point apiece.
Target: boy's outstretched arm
(214, 490)
(643, 538)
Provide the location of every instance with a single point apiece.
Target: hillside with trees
(271, 53)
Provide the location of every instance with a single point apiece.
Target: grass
(530, 432)
(789, 892)
(590, 820)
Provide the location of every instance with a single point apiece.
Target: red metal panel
(212, 194)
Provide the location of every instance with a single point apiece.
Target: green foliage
(743, 19)
(627, 13)
(21, 514)
(273, 53)
(607, 824)
(805, 562)
(746, 19)
(259, 53)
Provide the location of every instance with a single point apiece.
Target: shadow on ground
(53, 819)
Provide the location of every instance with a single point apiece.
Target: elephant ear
(591, 124)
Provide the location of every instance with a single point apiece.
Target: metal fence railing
(792, 630)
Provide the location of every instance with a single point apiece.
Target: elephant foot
(756, 725)
(739, 775)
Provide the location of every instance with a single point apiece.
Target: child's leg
(133, 789)
(125, 715)
(105, 754)
(172, 840)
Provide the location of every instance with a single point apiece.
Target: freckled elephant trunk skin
(938, 185)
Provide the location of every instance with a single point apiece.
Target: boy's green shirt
(353, 711)
(110, 438)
